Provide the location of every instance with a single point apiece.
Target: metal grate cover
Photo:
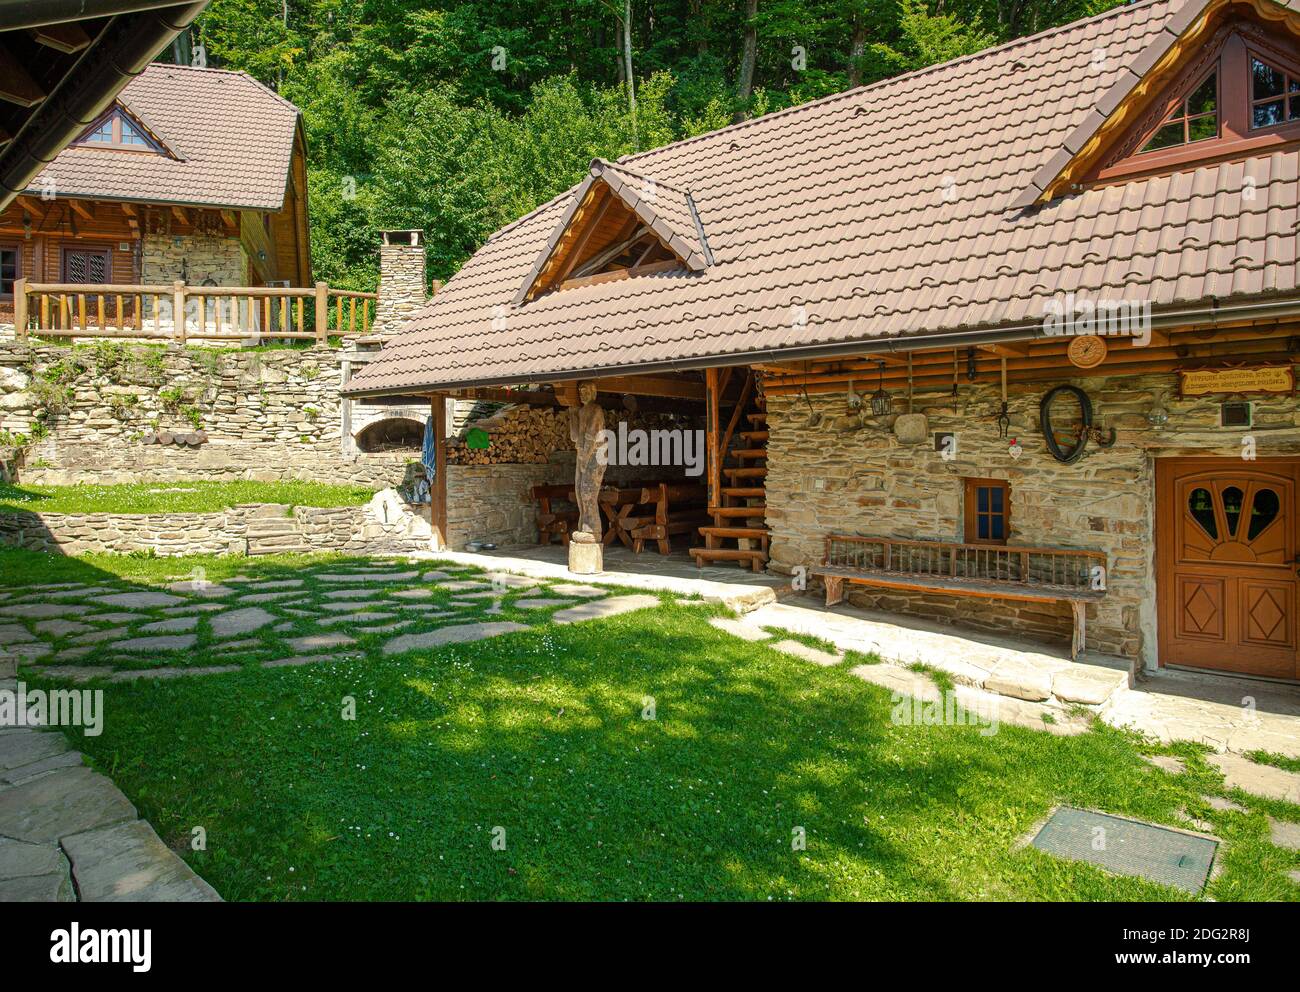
(1129, 847)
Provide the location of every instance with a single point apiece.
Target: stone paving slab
(119, 617)
(276, 584)
(462, 585)
(176, 642)
(1226, 713)
(349, 606)
(1020, 680)
(141, 600)
(319, 642)
(19, 859)
(539, 604)
(366, 616)
(899, 680)
(806, 653)
(40, 611)
(101, 636)
(14, 633)
(434, 576)
(412, 593)
(25, 773)
(238, 622)
(576, 589)
(1262, 780)
(1284, 833)
(504, 580)
(60, 628)
(601, 608)
(191, 608)
(267, 597)
(174, 626)
(29, 745)
(129, 863)
(746, 632)
(64, 802)
(56, 887)
(352, 593)
(364, 577)
(454, 634)
(208, 590)
(170, 672)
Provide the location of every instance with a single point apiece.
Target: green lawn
(175, 497)
(545, 733)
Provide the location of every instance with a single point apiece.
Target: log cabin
(1007, 342)
(190, 174)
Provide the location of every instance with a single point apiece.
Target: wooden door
(1226, 564)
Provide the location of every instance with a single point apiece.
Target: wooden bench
(1026, 574)
(551, 521)
(676, 508)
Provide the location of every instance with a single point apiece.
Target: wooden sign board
(1242, 379)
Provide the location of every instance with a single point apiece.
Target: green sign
(478, 438)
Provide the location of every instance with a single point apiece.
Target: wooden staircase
(737, 468)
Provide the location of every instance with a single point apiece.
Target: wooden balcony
(235, 314)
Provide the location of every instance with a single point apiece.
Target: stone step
(272, 525)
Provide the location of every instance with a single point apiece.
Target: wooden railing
(1052, 568)
(208, 313)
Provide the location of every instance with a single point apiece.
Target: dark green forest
(458, 117)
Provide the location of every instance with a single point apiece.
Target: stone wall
(846, 478)
(208, 260)
(256, 527)
(494, 502)
(264, 415)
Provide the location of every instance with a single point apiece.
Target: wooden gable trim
(1144, 82)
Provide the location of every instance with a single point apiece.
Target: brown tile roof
(232, 136)
(884, 211)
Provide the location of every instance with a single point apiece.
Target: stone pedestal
(586, 555)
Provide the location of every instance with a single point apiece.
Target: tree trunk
(627, 59)
(857, 49)
(696, 8)
(748, 55)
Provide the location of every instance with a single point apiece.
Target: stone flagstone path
(67, 833)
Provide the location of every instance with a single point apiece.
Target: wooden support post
(322, 313)
(1078, 643)
(20, 309)
(438, 491)
(714, 455)
(178, 310)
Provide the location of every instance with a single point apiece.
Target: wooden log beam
(82, 208)
(68, 37)
(16, 84)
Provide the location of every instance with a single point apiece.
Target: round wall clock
(1087, 351)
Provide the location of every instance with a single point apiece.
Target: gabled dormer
(1222, 83)
(620, 224)
(120, 129)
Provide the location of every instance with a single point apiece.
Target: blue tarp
(428, 456)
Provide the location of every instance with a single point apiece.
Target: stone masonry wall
(403, 280)
(196, 260)
(255, 528)
(263, 415)
(494, 502)
(839, 477)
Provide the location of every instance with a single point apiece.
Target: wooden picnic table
(553, 522)
(653, 511)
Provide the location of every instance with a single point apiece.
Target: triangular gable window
(118, 129)
(620, 224)
(1228, 88)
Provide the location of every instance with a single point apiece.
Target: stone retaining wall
(841, 477)
(494, 502)
(348, 528)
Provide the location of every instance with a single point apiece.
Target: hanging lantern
(882, 404)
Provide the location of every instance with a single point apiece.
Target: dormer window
(118, 130)
(1274, 95)
(1194, 119)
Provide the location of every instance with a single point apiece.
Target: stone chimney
(403, 282)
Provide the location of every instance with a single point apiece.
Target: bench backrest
(1057, 568)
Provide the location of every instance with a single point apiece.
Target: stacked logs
(516, 434)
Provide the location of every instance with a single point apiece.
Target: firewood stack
(517, 434)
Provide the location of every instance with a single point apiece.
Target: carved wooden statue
(585, 426)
